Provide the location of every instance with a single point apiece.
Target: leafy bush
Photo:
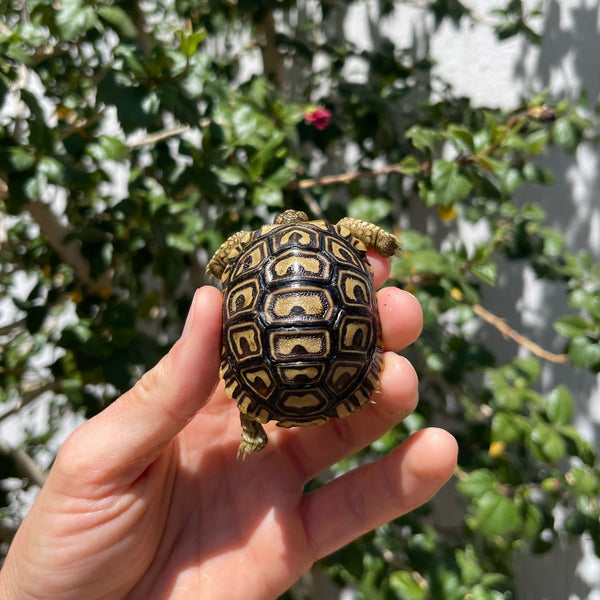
(134, 138)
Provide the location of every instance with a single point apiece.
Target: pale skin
(148, 501)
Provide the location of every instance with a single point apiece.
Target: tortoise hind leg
(254, 437)
(372, 236)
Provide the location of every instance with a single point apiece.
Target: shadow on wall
(566, 65)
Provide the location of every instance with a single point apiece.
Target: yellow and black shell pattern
(301, 336)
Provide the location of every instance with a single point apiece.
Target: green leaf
(422, 138)
(547, 441)
(571, 325)
(18, 157)
(462, 137)
(128, 53)
(496, 514)
(190, 41)
(470, 567)
(267, 196)
(559, 405)
(583, 482)
(406, 585)
(449, 186)
(119, 19)
(565, 134)
(477, 482)
(506, 427)
(487, 272)
(586, 300)
(409, 165)
(373, 210)
(75, 18)
(424, 261)
(585, 352)
(107, 147)
(533, 520)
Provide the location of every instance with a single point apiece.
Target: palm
(221, 509)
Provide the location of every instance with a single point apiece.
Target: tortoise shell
(301, 335)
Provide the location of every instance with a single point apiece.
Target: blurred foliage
(135, 137)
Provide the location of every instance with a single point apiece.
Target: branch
(25, 465)
(69, 252)
(509, 332)
(6, 329)
(29, 396)
(267, 40)
(158, 136)
(342, 178)
(79, 124)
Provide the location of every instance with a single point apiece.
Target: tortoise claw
(254, 437)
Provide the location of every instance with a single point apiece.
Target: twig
(312, 204)
(69, 252)
(6, 329)
(267, 40)
(509, 332)
(342, 178)
(159, 136)
(56, 234)
(24, 464)
(80, 124)
(31, 395)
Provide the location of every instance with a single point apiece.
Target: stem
(267, 39)
(341, 178)
(159, 136)
(31, 395)
(69, 252)
(24, 464)
(509, 332)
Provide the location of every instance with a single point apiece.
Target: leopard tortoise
(301, 334)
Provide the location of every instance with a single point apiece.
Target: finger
(128, 435)
(401, 318)
(381, 268)
(379, 492)
(313, 449)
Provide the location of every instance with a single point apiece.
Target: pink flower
(320, 118)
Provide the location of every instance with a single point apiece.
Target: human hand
(147, 499)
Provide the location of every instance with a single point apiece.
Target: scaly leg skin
(372, 236)
(254, 437)
(222, 256)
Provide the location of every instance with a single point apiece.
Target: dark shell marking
(301, 337)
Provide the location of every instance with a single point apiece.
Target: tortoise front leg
(253, 436)
(227, 251)
(372, 236)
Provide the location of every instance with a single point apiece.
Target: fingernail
(189, 319)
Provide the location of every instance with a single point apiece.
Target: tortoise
(301, 335)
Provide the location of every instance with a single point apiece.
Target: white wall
(496, 73)
(500, 74)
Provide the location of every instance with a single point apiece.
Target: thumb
(119, 443)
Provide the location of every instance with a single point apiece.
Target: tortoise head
(289, 217)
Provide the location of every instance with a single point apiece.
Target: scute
(301, 337)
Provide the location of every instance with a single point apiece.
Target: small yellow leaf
(447, 213)
(457, 294)
(76, 296)
(496, 449)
